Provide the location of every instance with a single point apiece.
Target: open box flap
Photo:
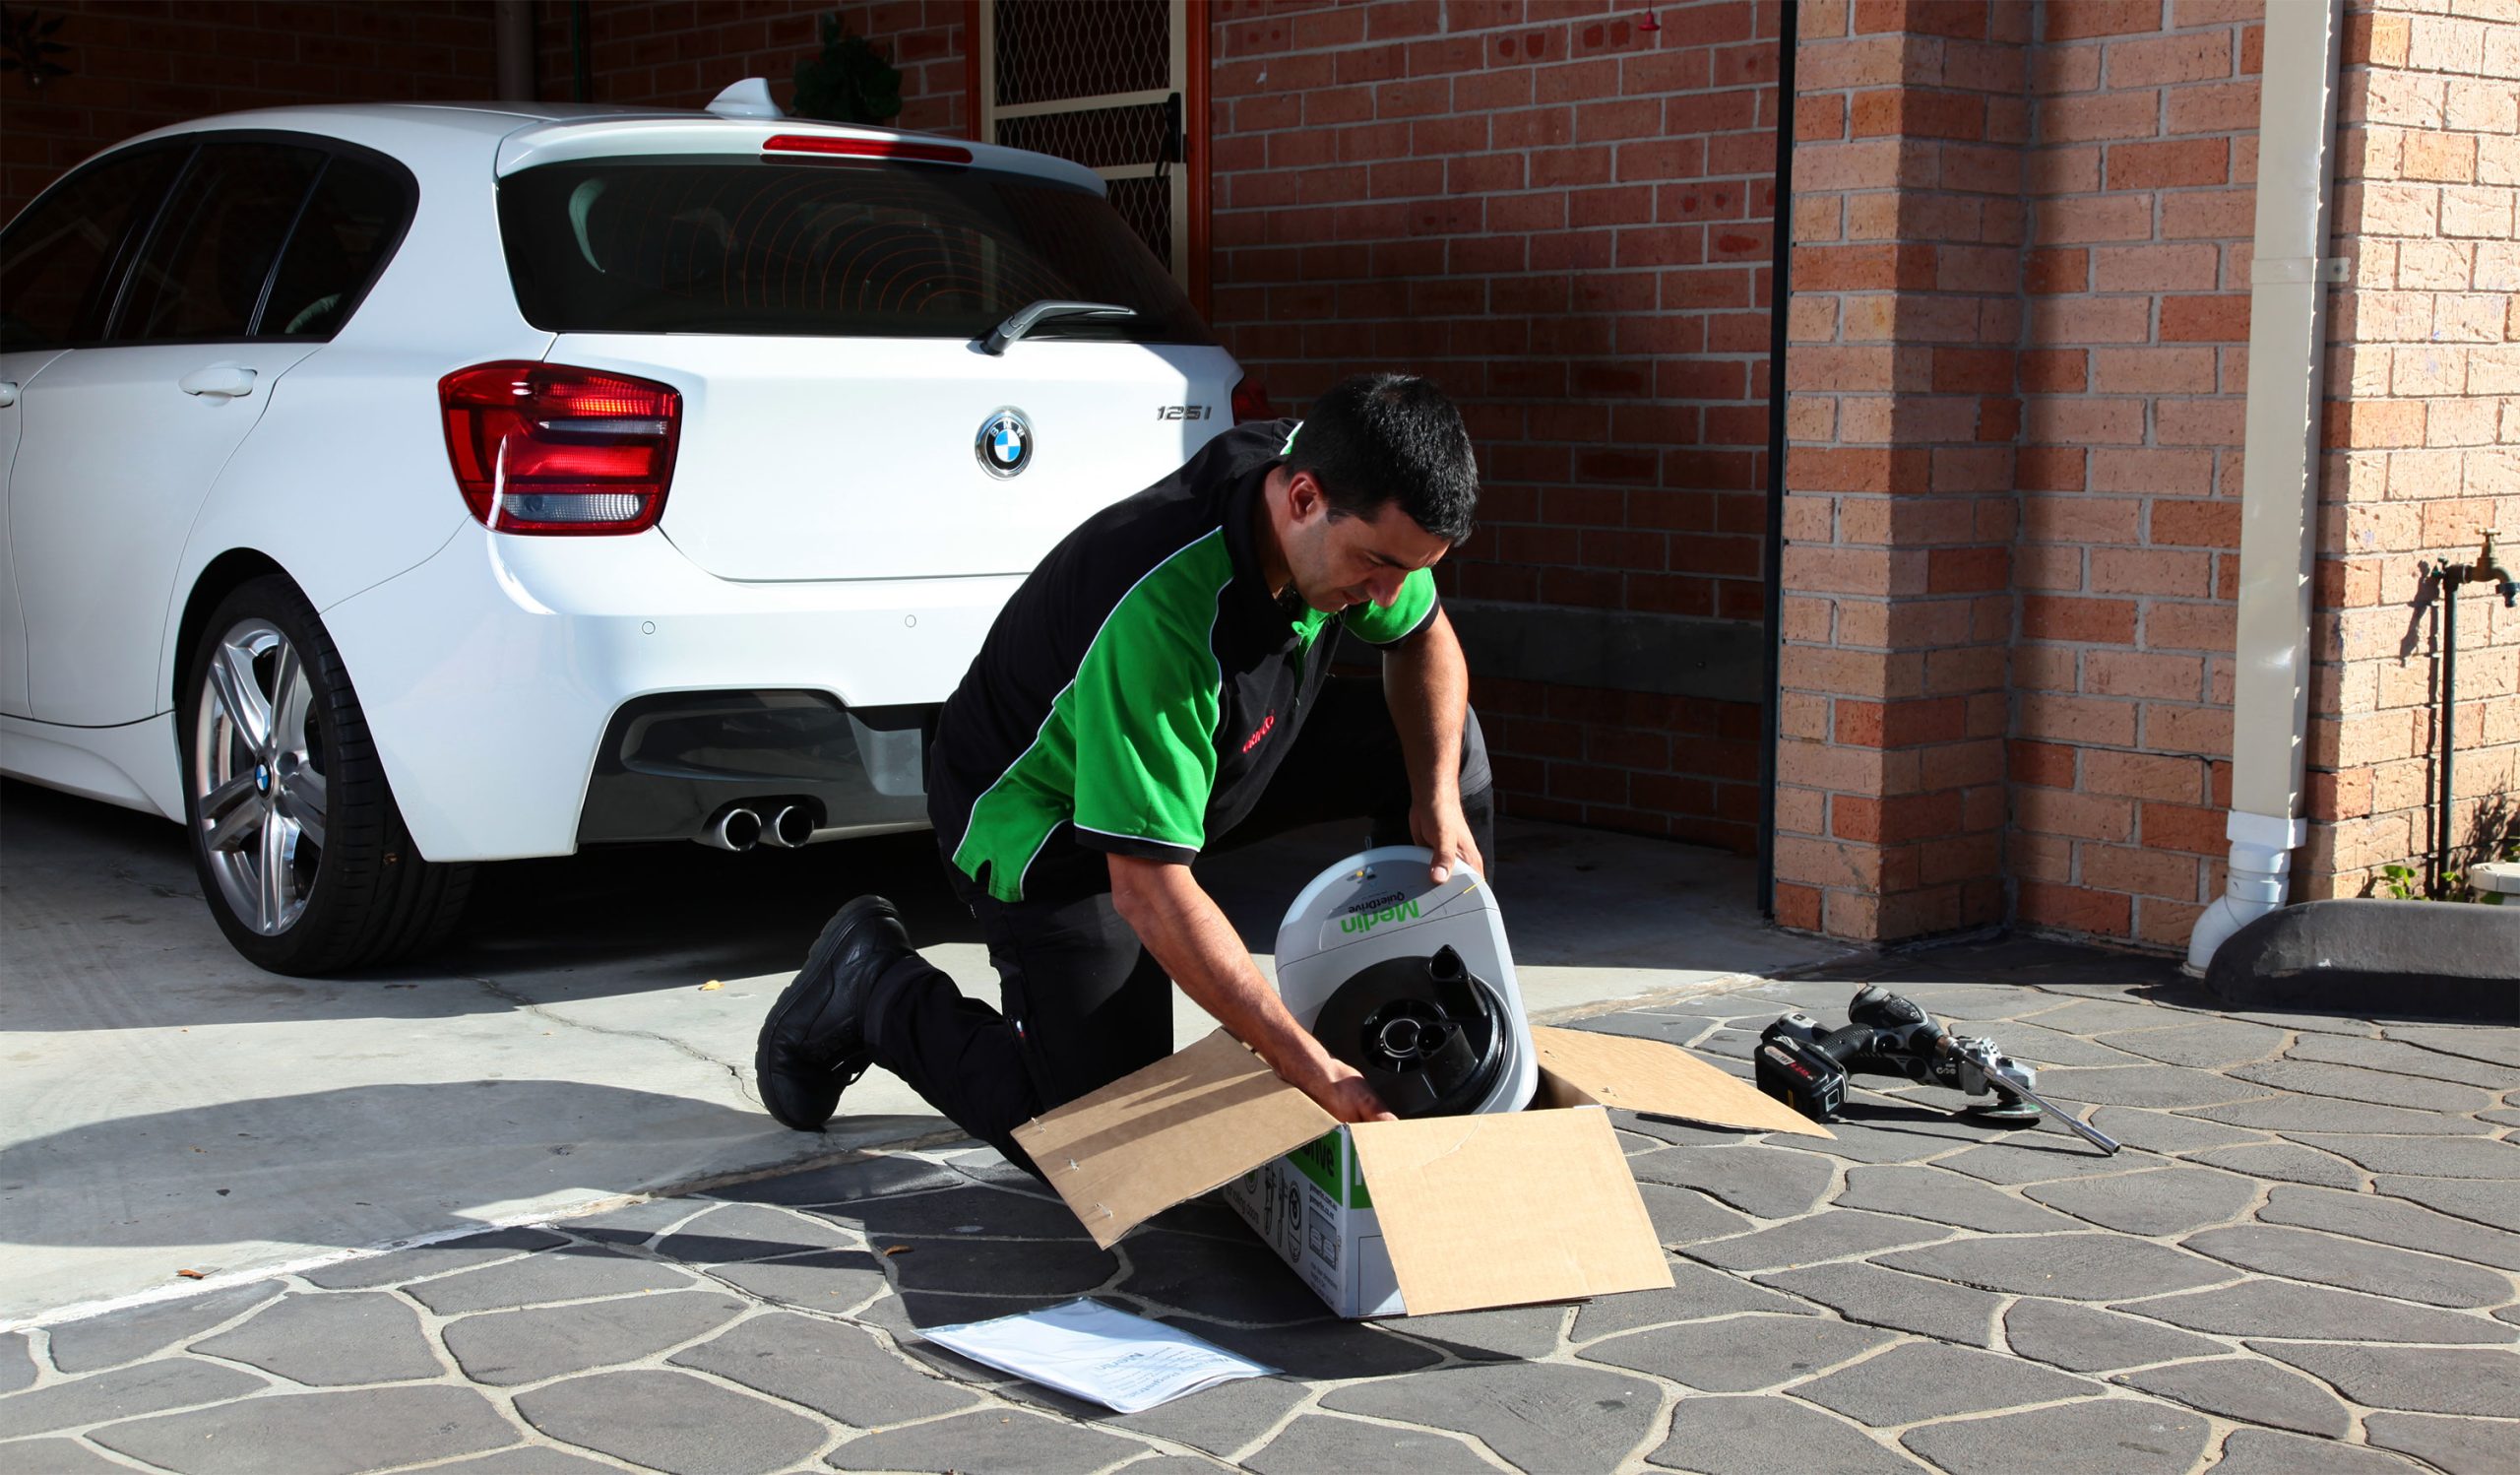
(1659, 1079)
(1504, 1209)
(1197, 1119)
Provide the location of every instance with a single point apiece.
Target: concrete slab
(168, 1108)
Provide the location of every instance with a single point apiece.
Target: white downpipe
(2279, 477)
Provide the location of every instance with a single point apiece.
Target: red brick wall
(2423, 430)
(1564, 219)
(142, 64)
(2128, 355)
(680, 53)
(2133, 375)
(1911, 132)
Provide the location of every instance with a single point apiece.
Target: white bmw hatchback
(392, 488)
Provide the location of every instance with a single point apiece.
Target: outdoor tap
(2483, 570)
(2486, 569)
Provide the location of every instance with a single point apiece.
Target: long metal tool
(1992, 1064)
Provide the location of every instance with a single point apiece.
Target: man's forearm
(1426, 682)
(1177, 922)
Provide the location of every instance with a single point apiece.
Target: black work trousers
(1081, 1003)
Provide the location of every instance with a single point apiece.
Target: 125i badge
(1005, 442)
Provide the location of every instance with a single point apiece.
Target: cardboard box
(1313, 1208)
(1400, 1218)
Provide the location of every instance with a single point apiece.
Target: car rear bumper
(670, 766)
(530, 694)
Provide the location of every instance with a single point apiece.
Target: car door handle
(8, 395)
(228, 381)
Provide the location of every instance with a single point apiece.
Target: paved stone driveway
(2293, 1267)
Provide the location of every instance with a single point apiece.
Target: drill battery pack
(1806, 1066)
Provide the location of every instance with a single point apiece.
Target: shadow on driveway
(234, 1172)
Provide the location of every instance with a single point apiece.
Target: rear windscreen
(713, 245)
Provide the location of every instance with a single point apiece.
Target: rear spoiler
(571, 139)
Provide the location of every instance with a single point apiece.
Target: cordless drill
(1806, 1065)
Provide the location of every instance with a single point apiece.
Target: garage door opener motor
(1411, 983)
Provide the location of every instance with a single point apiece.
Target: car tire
(301, 852)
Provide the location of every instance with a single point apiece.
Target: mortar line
(1658, 1429)
(2351, 1409)
(40, 1352)
(226, 1279)
(2217, 1437)
(114, 1458)
(2410, 1074)
(432, 1328)
(276, 1388)
(1471, 1441)
(534, 1439)
(181, 1344)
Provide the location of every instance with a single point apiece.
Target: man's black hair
(1391, 439)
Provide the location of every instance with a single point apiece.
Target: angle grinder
(1809, 1065)
(1411, 983)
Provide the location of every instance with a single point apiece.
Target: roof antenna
(748, 99)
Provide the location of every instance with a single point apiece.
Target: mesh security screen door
(1102, 83)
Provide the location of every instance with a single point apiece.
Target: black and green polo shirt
(1141, 686)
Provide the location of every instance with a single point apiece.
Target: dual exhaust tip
(740, 827)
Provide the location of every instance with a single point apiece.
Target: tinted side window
(202, 272)
(56, 260)
(352, 219)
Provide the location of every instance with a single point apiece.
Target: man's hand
(1344, 1094)
(1438, 825)
(1181, 925)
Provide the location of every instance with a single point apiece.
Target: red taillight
(865, 148)
(546, 448)
(1251, 400)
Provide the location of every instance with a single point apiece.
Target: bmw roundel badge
(1005, 442)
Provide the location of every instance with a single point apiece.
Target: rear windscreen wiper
(1026, 319)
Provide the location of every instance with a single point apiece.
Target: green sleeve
(1406, 614)
(1144, 713)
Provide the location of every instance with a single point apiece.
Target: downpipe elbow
(2259, 881)
(2221, 919)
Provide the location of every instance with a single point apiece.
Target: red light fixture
(835, 146)
(544, 448)
(1251, 400)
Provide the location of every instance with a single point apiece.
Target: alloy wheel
(258, 776)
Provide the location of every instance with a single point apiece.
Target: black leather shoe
(813, 1044)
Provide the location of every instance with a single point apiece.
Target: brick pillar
(2423, 445)
(2133, 375)
(1900, 509)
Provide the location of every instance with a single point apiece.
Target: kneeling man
(1160, 678)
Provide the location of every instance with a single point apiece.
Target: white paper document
(1088, 1350)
